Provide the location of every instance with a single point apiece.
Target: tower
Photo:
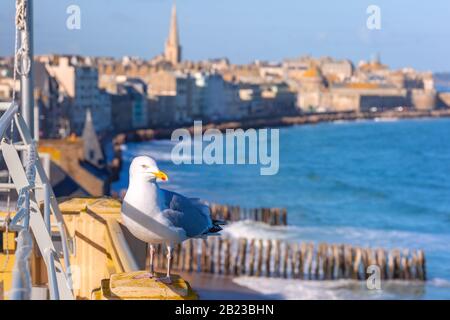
(173, 48)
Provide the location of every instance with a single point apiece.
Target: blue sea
(369, 183)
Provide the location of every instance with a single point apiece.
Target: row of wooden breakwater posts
(276, 258)
(271, 216)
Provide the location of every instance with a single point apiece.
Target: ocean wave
(351, 235)
(440, 283)
(292, 289)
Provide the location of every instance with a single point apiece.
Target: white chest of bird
(142, 214)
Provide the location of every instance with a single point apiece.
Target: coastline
(161, 133)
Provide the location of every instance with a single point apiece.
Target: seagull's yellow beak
(161, 175)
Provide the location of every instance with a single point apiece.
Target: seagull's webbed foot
(147, 275)
(166, 280)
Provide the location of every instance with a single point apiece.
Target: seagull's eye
(144, 166)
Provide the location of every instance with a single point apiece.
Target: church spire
(173, 48)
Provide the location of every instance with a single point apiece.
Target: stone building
(52, 104)
(165, 84)
(78, 80)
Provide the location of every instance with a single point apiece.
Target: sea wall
(312, 118)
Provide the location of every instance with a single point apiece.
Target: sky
(413, 33)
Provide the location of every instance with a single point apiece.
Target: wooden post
(189, 255)
(284, 217)
(277, 217)
(276, 267)
(204, 256)
(195, 255)
(219, 255)
(294, 258)
(286, 259)
(381, 262)
(421, 265)
(415, 265)
(335, 262)
(181, 258)
(356, 264)
(210, 257)
(406, 272)
(309, 259)
(226, 264)
(243, 256)
(328, 262)
(227, 213)
(251, 265)
(410, 266)
(268, 257)
(365, 262)
(317, 261)
(176, 256)
(346, 257)
(260, 258)
(390, 273)
(301, 260)
(160, 255)
(397, 270)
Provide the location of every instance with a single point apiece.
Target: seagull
(158, 216)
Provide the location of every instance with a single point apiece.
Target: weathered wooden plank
(260, 258)
(309, 260)
(422, 275)
(294, 258)
(243, 256)
(268, 257)
(356, 264)
(251, 265)
(276, 266)
(227, 258)
(285, 256)
(218, 267)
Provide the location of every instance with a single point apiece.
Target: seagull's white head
(145, 168)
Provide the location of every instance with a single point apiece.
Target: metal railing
(33, 186)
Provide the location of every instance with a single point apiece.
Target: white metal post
(26, 63)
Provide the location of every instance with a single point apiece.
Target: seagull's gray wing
(189, 214)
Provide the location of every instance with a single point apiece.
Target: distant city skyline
(411, 35)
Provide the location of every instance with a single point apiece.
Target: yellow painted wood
(9, 241)
(119, 245)
(6, 267)
(125, 287)
(101, 251)
(105, 206)
(75, 205)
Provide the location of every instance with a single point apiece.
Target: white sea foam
(293, 289)
(327, 290)
(440, 283)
